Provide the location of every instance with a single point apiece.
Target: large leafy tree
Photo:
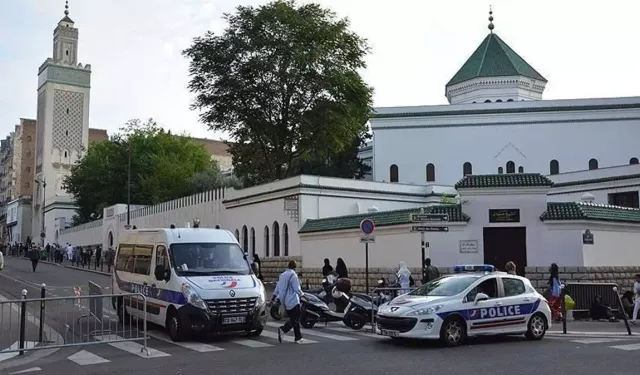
(163, 167)
(282, 80)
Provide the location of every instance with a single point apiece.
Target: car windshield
(208, 259)
(445, 286)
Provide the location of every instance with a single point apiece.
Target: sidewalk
(587, 328)
(67, 264)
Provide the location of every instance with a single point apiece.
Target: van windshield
(208, 259)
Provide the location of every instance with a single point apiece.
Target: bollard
(563, 309)
(43, 291)
(624, 313)
(23, 320)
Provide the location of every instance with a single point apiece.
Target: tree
(283, 81)
(345, 164)
(162, 166)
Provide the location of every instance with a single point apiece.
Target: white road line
(131, 347)
(32, 369)
(250, 343)
(15, 346)
(84, 358)
(287, 338)
(627, 347)
(319, 334)
(594, 341)
(354, 332)
(196, 346)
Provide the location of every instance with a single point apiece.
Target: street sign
(367, 226)
(422, 228)
(42, 235)
(421, 218)
(367, 238)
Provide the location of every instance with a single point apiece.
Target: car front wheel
(537, 327)
(453, 331)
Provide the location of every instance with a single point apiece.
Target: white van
(194, 279)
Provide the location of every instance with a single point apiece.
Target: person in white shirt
(1, 260)
(288, 291)
(636, 292)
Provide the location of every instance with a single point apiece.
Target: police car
(474, 301)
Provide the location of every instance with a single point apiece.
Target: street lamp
(43, 183)
(129, 187)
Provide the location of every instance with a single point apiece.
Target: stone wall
(623, 276)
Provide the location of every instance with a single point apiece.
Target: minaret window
(511, 167)
(520, 169)
(593, 164)
(487, 101)
(500, 171)
(499, 101)
(393, 173)
(431, 172)
(467, 169)
(554, 167)
(633, 161)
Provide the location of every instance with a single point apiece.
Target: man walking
(34, 255)
(430, 272)
(288, 291)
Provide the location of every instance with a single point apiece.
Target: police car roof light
(473, 268)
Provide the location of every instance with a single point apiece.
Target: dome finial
(66, 8)
(491, 19)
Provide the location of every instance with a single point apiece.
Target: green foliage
(283, 81)
(163, 167)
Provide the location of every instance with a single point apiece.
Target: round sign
(367, 226)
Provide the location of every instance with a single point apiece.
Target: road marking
(319, 334)
(15, 346)
(131, 347)
(33, 369)
(84, 358)
(590, 333)
(595, 341)
(196, 346)
(286, 338)
(354, 332)
(250, 343)
(628, 347)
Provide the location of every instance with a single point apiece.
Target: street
(327, 349)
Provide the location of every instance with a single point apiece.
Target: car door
(157, 303)
(518, 304)
(482, 315)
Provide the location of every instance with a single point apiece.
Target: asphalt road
(329, 349)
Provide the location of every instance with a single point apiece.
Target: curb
(33, 355)
(592, 334)
(87, 270)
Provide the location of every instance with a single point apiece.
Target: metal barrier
(38, 323)
(376, 293)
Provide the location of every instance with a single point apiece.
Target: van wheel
(123, 316)
(175, 327)
(255, 333)
(453, 331)
(537, 327)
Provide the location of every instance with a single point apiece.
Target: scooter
(314, 310)
(363, 308)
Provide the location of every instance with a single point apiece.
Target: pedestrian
(341, 269)
(34, 255)
(327, 268)
(69, 251)
(288, 292)
(258, 262)
(98, 255)
(430, 272)
(404, 278)
(554, 286)
(510, 268)
(109, 258)
(636, 306)
(47, 250)
(1, 261)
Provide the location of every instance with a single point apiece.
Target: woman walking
(554, 285)
(34, 255)
(288, 291)
(341, 269)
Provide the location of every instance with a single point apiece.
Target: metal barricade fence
(380, 296)
(58, 322)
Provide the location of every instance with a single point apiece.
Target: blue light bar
(474, 268)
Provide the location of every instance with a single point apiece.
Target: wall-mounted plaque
(504, 216)
(468, 246)
(587, 237)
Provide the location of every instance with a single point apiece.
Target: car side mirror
(480, 297)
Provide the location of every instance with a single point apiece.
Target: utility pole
(129, 187)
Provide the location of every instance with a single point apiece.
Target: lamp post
(43, 183)
(129, 187)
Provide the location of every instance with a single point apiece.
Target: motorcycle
(277, 312)
(314, 310)
(363, 308)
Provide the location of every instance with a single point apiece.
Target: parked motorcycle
(314, 310)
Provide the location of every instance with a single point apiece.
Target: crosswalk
(159, 344)
(624, 344)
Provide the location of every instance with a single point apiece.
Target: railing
(58, 322)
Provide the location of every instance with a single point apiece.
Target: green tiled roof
(381, 218)
(494, 58)
(596, 180)
(590, 211)
(503, 180)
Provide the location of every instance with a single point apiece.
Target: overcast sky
(585, 48)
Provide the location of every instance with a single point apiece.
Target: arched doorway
(110, 240)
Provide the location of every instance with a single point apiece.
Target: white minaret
(62, 133)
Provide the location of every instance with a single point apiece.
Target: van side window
(162, 258)
(124, 261)
(142, 255)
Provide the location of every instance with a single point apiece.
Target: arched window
(511, 167)
(593, 164)
(520, 169)
(509, 100)
(554, 167)
(253, 241)
(276, 239)
(285, 239)
(487, 101)
(633, 161)
(499, 101)
(500, 171)
(393, 173)
(266, 240)
(467, 169)
(431, 172)
(110, 241)
(238, 235)
(245, 239)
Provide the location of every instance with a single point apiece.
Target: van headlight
(426, 311)
(262, 296)
(192, 297)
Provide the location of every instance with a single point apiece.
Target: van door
(139, 278)
(157, 305)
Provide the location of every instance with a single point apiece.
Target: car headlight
(426, 311)
(262, 296)
(192, 297)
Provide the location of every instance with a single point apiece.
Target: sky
(583, 47)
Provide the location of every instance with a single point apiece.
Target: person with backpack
(430, 272)
(288, 292)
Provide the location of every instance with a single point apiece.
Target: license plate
(386, 332)
(234, 320)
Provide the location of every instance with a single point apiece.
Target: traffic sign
(422, 228)
(367, 238)
(421, 218)
(367, 226)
